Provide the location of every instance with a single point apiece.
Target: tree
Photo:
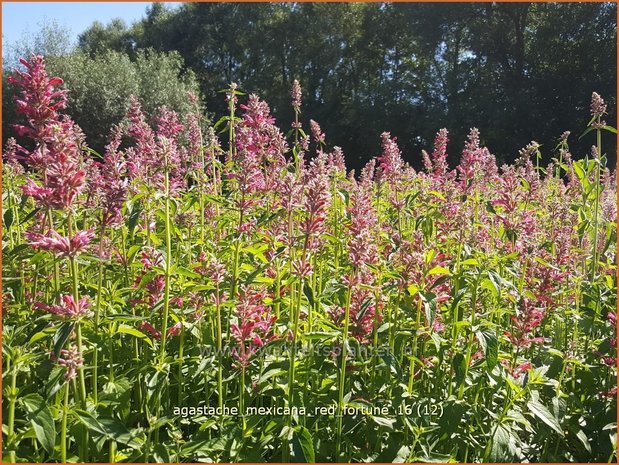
(98, 39)
(516, 71)
(100, 88)
(51, 39)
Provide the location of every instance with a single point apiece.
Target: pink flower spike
(296, 96)
(72, 360)
(150, 329)
(175, 330)
(68, 308)
(60, 245)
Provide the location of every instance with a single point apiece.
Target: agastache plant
(460, 314)
(57, 155)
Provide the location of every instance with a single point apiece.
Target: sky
(19, 18)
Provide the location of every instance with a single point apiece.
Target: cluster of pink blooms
(68, 308)
(477, 163)
(384, 242)
(60, 245)
(260, 149)
(150, 258)
(518, 370)
(254, 325)
(437, 163)
(598, 109)
(150, 329)
(57, 153)
(71, 360)
(112, 186)
(316, 205)
(56, 179)
(295, 93)
(525, 321)
(362, 253)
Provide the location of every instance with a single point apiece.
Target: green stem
(168, 263)
(340, 402)
(78, 329)
(411, 380)
(63, 425)
(242, 401)
(95, 363)
(469, 350)
(596, 206)
(220, 392)
(293, 354)
(12, 400)
(180, 365)
(235, 267)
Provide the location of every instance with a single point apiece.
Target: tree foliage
(515, 71)
(101, 84)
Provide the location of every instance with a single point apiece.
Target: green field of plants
(231, 293)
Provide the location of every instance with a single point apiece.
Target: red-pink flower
(72, 360)
(612, 392)
(528, 318)
(64, 180)
(362, 248)
(60, 245)
(175, 330)
(295, 93)
(439, 155)
(518, 370)
(253, 327)
(150, 329)
(317, 134)
(598, 109)
(68, 308)
(390, 160)
(39, 99)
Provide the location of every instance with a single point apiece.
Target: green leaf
(392, 363)
(412, 290)
(500, 445)
(270, 374)
(580, 172)
(126, 329)
(490, 208)
(587, 131)
(7, 220)
(429, 305)
(41, 420)
(301, 445)
(437, 194)
(55, 381)
(321, 335)
(488, 341)
(438, 270)
(459, 366)
(30, 215)
(382, 421)
(134, 217)
(108, 427)
(61, 336)
(364, 308)
(582, 437)
(41, 331)
(309, 293)
(541, 412)
(182, 271)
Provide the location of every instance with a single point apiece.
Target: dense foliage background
(515, 71)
